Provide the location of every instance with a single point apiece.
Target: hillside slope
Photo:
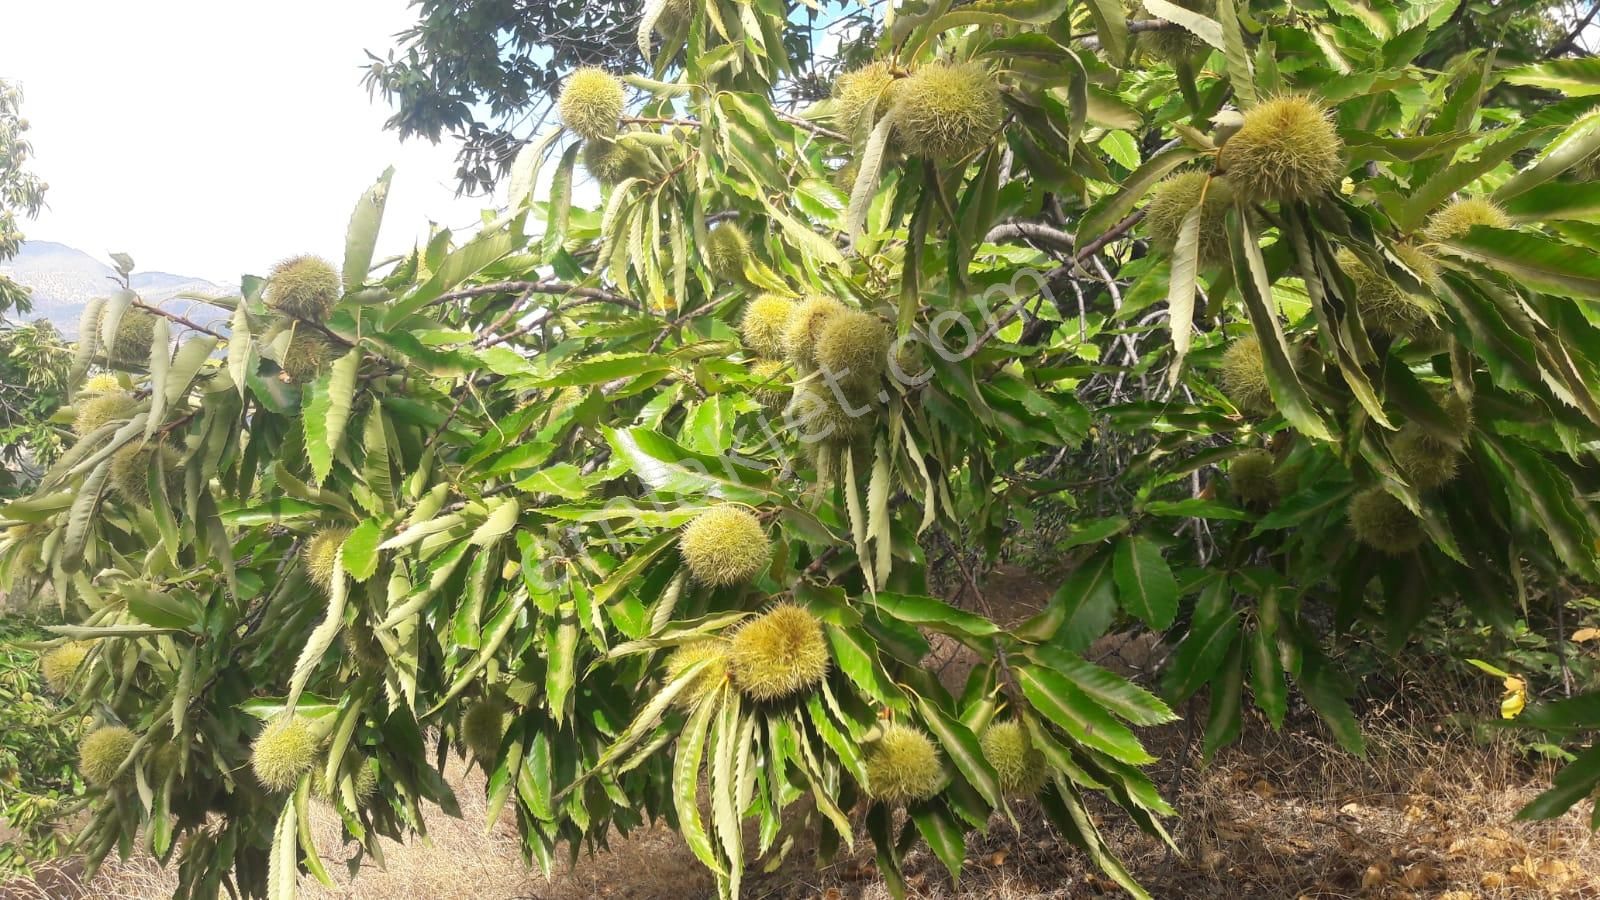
(64, 279)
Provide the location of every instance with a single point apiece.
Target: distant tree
(33, 358)
(20, 191)
(1520, 31)
(485, 72)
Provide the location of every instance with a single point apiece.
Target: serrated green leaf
(963, 749)
(321, 637)
(501, 519)
(341, 396)
(1573, 77)
(1325, 691)
(1180, 290)
(160, 362)
(1437, 189)
(1116, 206)
(88, 343)
(878, 525)
(1226, 715)
(318, 451)
(361, 237)
(1080, 610)
(360, 551)
(1110, 690)
(1577, 143)
(856, 655)
(686, 766)
(1212, 632)
(1543, 263)
(1201, 26)
(668, 467)
(1111, 24)
(1241, 74)
(1250, 275)
(1145, 586)
(283, 867)
(866, 183)
(241, 348)
(931, 612)
(944, 835)
(1058, 700)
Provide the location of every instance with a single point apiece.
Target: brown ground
(1428, 814)
(1284, 817)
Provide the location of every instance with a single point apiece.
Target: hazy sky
(213, 138)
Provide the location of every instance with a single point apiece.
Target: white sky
(212, 139)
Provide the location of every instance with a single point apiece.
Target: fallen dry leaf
(1420, 875)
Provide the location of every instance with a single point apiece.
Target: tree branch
(181, 320)
(1033, 231)
(1090, 249)
(1135, 26)
(1572, 36)
(812, 127)
(796, 121)
(660, 120)
(537, 287)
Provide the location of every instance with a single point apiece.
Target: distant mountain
(64, 279)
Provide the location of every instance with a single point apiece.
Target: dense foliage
(33, 358)
(38, 752)
(21, 192)
(34, 362)
(629, 504)
(483, 72)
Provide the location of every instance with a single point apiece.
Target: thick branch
(1032, 231)
(1092, 41)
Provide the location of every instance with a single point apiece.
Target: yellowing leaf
(1515, 699)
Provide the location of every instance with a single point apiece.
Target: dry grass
(460, 860)
(1425, 815)
(1428, 814)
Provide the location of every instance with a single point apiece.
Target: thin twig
(660, 120)
(812, 127)
(1561, 641)
(672, 327)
